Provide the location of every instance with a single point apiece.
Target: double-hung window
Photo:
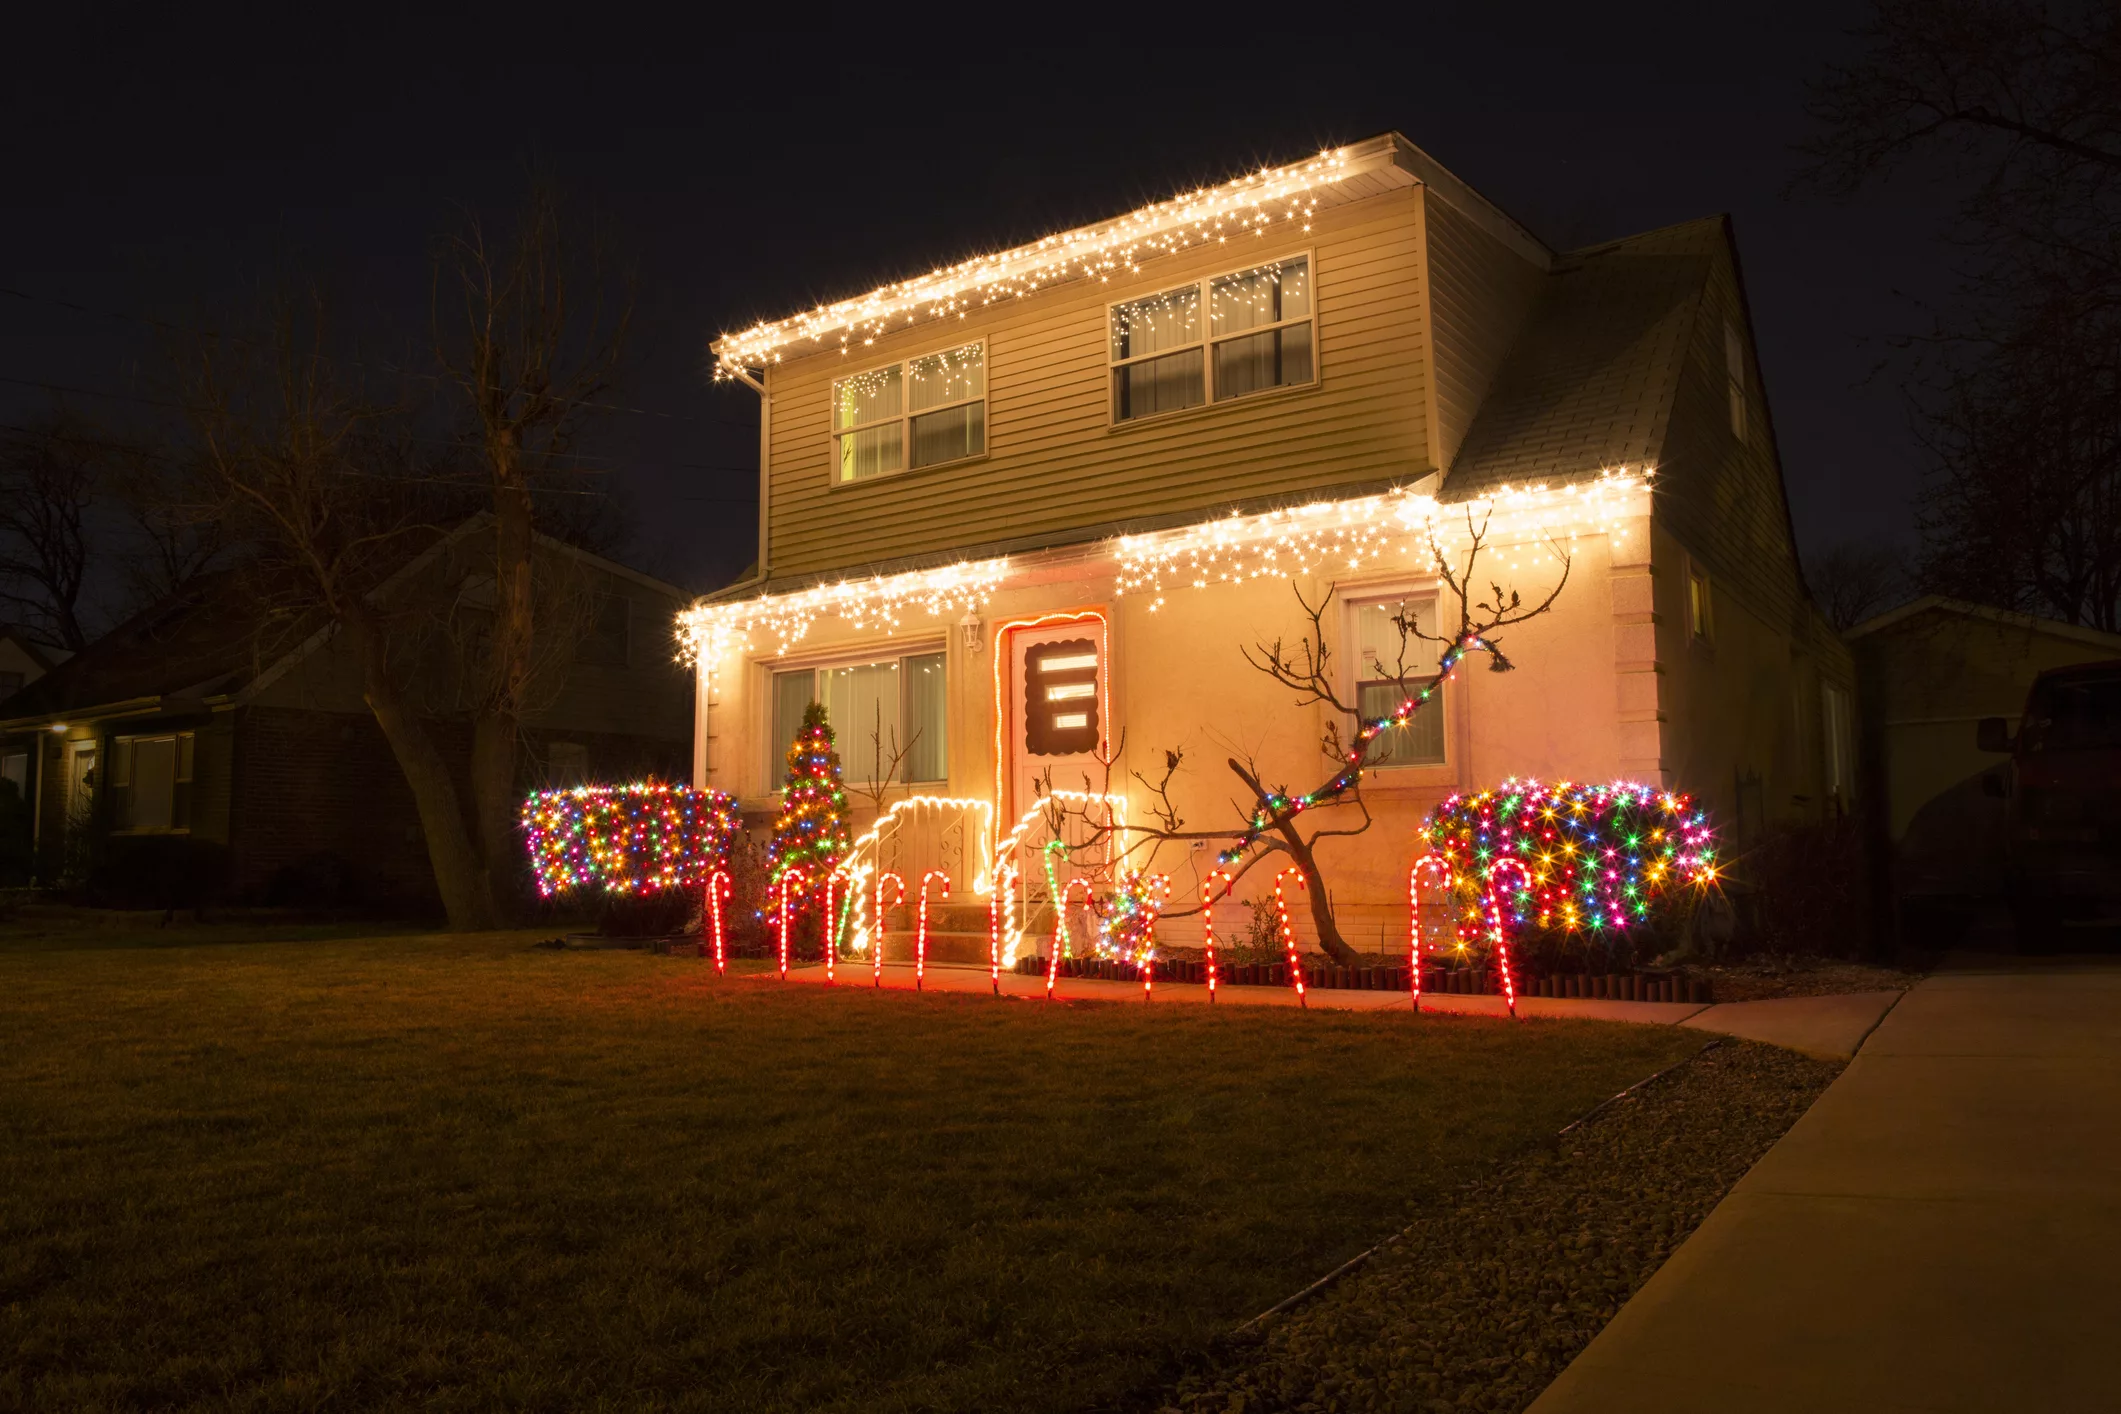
(922, 412)
(877, 709)
(150, 782)
(1391, 666)
(1256, 335)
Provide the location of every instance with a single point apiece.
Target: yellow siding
(1480, 292)
(1054, 463)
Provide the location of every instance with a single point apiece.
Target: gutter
(757, 385)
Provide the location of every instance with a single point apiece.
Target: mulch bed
(1481, 1303)
(1760, 979)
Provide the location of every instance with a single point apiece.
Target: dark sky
(178, 175)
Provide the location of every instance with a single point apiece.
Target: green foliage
(811, 832)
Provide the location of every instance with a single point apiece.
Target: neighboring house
(1030, 509)
(208, 721)
(1929, 671)
(22, 661)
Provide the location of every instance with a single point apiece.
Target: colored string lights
(631, 839)
(1597, 859)
(810, 833)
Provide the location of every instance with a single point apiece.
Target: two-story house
(1026, 513)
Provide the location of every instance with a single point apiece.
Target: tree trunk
(466, 897)
(1336, 947)
(494, 733)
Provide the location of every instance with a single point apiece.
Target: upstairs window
(1382, 657)
(922, 412)
(150, 782)
(1734, 376)
(1256, 336)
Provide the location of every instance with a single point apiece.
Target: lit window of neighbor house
(1700, 607)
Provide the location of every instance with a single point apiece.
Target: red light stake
(877, 953)
(920, 934)
(1288, 934)
(719, 888)
(1430, 864)
(1207, 920)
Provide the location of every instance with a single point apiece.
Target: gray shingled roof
(1590, 382)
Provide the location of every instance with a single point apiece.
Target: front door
(1057, 715)
(81, 786)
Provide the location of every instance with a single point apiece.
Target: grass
(460, 1172)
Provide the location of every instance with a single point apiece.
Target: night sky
(178, 176)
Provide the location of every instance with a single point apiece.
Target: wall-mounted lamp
(971, 626)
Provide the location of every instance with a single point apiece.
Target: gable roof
(214, 640)
(1938, 603)
(45, 655)
(1590, 382)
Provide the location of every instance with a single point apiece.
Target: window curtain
(929, 759)
(859, 703)
(791, 694)
(1252, 300)
(1378, 656)
(1148, 326)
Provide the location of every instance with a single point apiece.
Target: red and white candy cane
(790, 885)
(1498, 932)
(1155, 890)
(876, 950)
(1060, 929)
(1288, 934)
(1433, 865)
(920, 932)
(831, 924)
(719, 887)
(1208, 895)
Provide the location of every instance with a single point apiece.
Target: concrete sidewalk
(1831, 1027)
(1942, 1231)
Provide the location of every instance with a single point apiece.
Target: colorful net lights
(631, 839)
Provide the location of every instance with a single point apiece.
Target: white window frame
(906, 414)
(771, 759)
(1370, 597)
(1208, 340)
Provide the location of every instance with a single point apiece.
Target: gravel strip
(1480, 1304)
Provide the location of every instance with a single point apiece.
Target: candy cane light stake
(1498, 932)
(1288, 934)
(719, 888)
(791, 884)
(1060, 926)
(1435, 866)
(1207, 920)
(920, 934)
(830, 923)
(1155, 889)
(877, 957)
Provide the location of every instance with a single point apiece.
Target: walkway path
(1942, 1231)
(1824, 1026)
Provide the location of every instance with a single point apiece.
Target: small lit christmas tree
(810, 834)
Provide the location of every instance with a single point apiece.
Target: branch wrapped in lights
(1276, 808)
(631, 839)
(1597, 859)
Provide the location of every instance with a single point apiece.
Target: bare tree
(1279, 821)
(887, 760)
(321, 486)
(2018, 386)
(1854, 580)
(524, 328)
(50, 474)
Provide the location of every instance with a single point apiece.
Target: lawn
(464, 1172)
